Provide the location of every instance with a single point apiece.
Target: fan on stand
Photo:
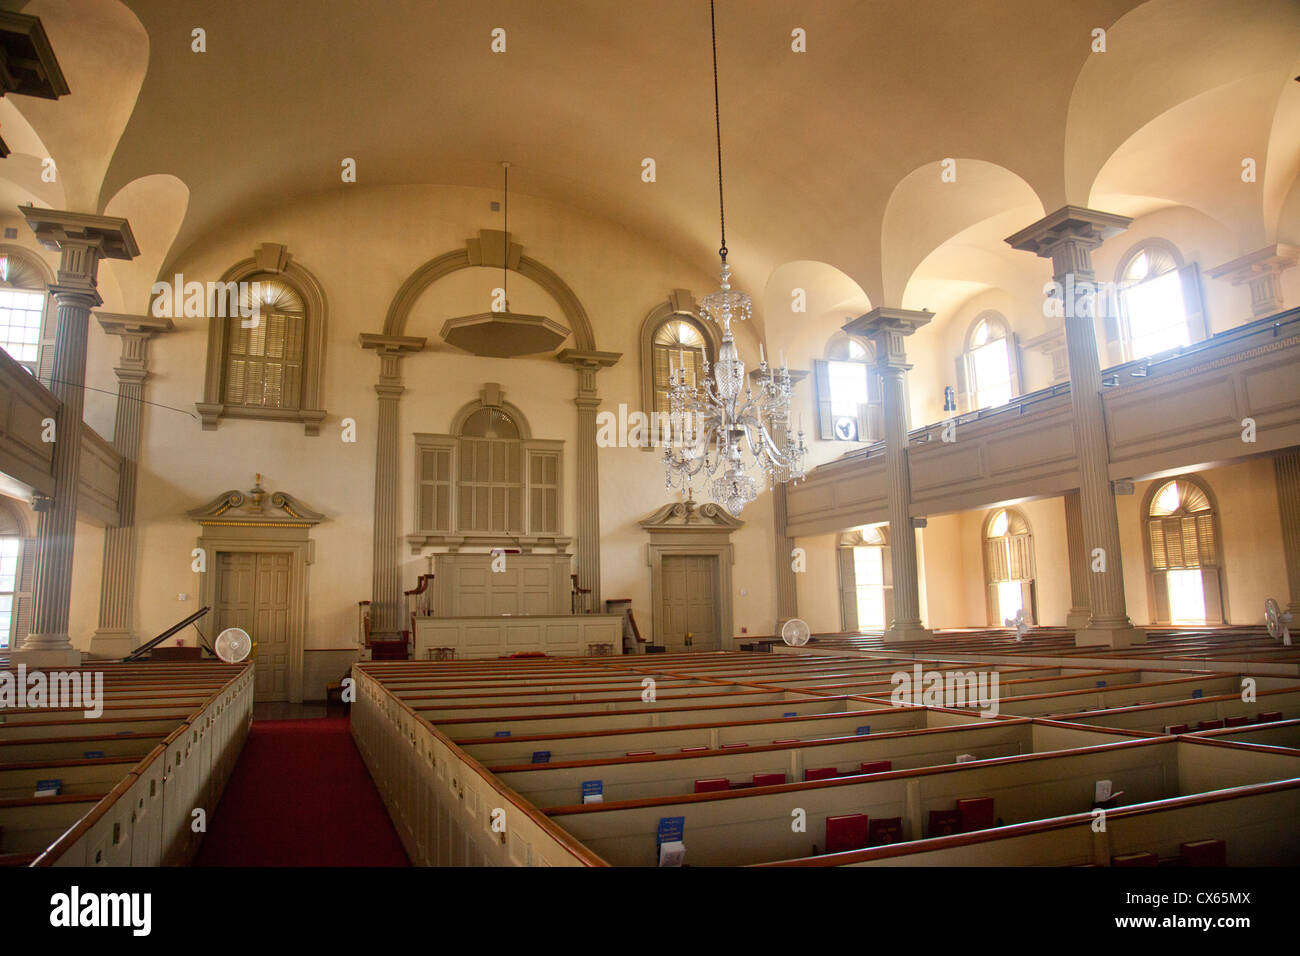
(795, 632)
(233, 645)
(1277, 620)
(1019, 623)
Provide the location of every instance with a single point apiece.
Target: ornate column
(1068, 237)
(787, 587)
(1261, 270)
(887, 328)
(386, 596)
(1078, 557)
(587, 364)
(115, 637)
(1287, 474)
(82, 240)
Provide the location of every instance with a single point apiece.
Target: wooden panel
(562, 635)
(24, 404)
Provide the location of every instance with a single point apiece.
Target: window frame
(1217, 567)
(967, 381)
(49, 316)
(272, 261)
(1119, 332)
(680, 304)
(870, 417)
(1029, 585)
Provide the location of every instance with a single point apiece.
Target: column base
(46, 656)
(112, 643)
(907, 632)
(1078, 618)
(1124, 636)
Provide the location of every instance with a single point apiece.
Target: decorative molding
(248, 509)
(688, 516)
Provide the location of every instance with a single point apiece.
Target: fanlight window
(22, 306)
(264, 363)
(845, 383)
(866, 591)
(677, 344)
(1009, 565)
(989, 368)
(1151, 297)
(1184, 555)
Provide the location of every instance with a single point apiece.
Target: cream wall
(361, 243)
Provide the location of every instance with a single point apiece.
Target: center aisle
(301, 796)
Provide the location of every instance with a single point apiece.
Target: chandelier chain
(717, 127)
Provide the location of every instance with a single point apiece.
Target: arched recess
(17, 575)
(273, 261)
(1183, 552)
(488, 250)
(492, 392)
(1009, 566)
(680, 305)
(866, 579)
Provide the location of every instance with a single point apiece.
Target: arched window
(1159, 301)
(263, 364)
(866, 582)
(677, 344)
(1183, 555)
(268, 368)
(17, 569)
(1009, 566)
(489, 479)
(673, 336)
(22, 308)
(848, 391)
(988, 371)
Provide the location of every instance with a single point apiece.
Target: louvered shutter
(1198, 325)
(24, 609)
(848, 590)
(822, 385)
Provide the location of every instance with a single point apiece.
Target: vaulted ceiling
(832, 155)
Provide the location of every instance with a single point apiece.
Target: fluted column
(1078, 557)
(787, 587)
(386, 585)
(1261, 272)
(587, 364)
(1286, 470)
(115, 636)
(888, 328)
(82, 241)
(1068, 237)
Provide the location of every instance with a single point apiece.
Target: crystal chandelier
(715, 422)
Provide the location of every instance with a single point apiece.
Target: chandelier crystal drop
(720, 422)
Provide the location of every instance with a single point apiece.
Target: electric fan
(1277, 620)
(795, 632)
(233, 645)
(1019, 623)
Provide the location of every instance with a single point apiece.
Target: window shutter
(963, 387)
(1014, 363)
(1210, 584)
(887, 573)
(543, 492)
(848, 590)
(1160, 591)
(1027, 601)
(24, 609)
(1198, 324)
(822, 384)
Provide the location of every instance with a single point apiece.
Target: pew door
(689, 602)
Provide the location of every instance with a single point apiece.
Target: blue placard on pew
(592, 788)
(863, 730)
(670, 828)
(502, 733)
(1196, 693)
(1101, 683)
(541, 756)
(91, 754)
(49, 787)
(791, 713)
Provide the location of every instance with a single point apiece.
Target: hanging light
(715, 422)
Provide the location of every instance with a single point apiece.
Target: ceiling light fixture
(711, 420)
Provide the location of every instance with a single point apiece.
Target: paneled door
(690, 602)
(253, 592)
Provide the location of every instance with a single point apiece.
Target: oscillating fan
(1019, 623)
(795, 632)
(1277, 620)
(233, 645)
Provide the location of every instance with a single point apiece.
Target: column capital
(115, 323)
(1074, 224)
(398, 345)
(57, 230)
(586, 359)
(1262, 271)
(887, 327)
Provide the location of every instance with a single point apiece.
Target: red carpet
(301, 796)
